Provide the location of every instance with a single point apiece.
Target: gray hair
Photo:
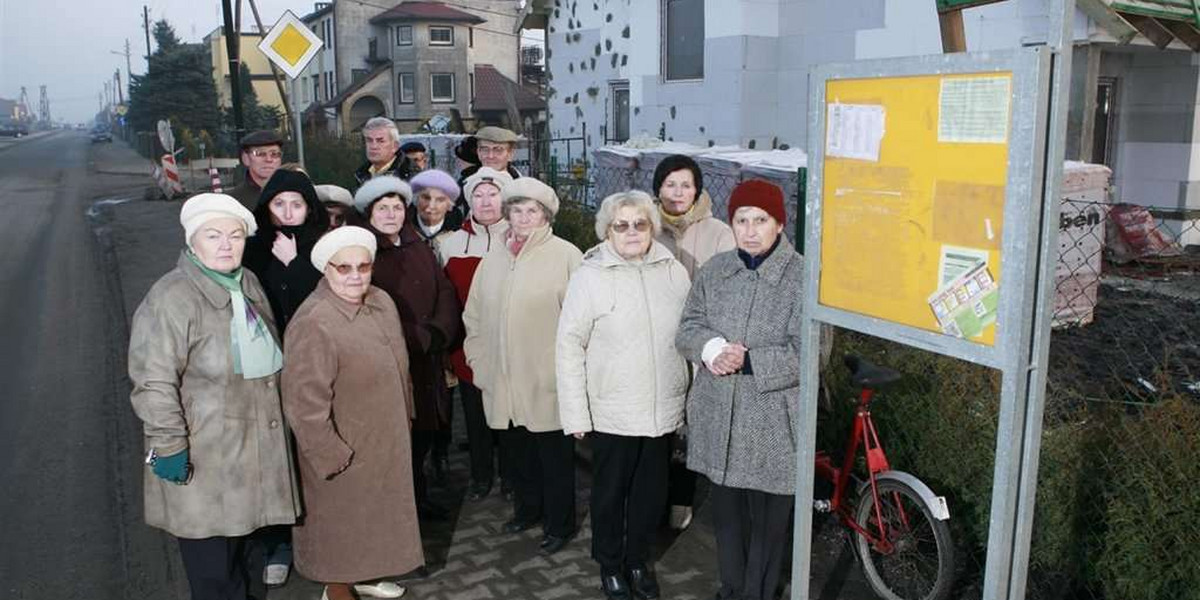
(506, 205)
(381, 122)
(634, 198)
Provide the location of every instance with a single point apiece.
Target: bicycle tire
(921, 565)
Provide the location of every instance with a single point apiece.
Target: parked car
(101, 135)
(13, 129)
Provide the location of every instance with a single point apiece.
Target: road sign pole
(298, 132)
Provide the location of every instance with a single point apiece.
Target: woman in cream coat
(622, 384)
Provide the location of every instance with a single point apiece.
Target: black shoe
(551, 544)
(478, 491)
(517, 525)
(614, 586)
(428, 511)
(643, 583)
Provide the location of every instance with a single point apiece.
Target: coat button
(270, 383)
(273, 424)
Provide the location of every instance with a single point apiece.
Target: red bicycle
(900, 527)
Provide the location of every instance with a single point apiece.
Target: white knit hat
(202, 208)
(342, 237)
(378, 187)
(485, 175)
(334, 193)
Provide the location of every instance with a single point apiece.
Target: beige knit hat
(528, 188)
(500, 179)
(334, 193)
(202, 208)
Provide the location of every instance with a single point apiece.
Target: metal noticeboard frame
(1034, 153)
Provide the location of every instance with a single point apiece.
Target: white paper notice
(854, 131)
(974, 110)
(955, 261)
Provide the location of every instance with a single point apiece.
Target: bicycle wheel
(919, 565)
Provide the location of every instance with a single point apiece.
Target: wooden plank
(1108, 20)
(954, 36)
(1147, 26)
(1186, 33)
(956, 5)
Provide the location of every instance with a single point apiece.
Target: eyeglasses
(266, 154)
(491, 149)
(641, 225)
(362, 268)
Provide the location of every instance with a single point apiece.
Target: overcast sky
(67, 45)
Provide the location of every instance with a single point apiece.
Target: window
(441, 36)
(407, 88)
(470, 37)
(683, 39)
(404, 35)
(620, 116)
(357, 74)
(316, 87)
(441, 87)
(471, 86)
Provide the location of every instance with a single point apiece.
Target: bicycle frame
(865, 435)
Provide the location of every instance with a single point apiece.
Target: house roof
(425, 11)
(491, 92)
(320, 12)
(357, 85)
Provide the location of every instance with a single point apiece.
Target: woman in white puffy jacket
(622, 384)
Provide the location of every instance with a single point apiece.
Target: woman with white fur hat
(204, 359)
(348, 398)
(407, 269)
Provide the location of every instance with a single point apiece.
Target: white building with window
(407, 61)
(722, 72)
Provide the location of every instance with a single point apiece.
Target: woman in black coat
(290, 221)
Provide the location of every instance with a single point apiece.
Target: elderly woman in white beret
(511, 320)
(338, 201)
(622, 384)
(348, 398)
(204, 359)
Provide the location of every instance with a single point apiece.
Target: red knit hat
(759, 194)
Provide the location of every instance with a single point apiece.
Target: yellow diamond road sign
(290, 44)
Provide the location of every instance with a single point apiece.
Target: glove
(173, 468)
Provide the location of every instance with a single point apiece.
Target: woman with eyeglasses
(348, 398)
(408, 270)
(204, 360)
(622, 384)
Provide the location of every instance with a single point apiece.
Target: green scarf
(255, 353)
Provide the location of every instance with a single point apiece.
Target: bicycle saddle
(866, 374)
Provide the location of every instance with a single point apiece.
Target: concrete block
(1189, 194)
(1157, 160)
(724, 54)
(761, 53)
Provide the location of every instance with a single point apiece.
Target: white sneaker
(275, 575)
(681, 517)
(380, 589)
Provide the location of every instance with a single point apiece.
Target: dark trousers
(629, 490)
(422, 443)
(681, 481)
(222, 568)
(480, 437)
(751, 533)
(541, 467)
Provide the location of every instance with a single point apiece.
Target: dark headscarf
(677, 162)
(315, 223)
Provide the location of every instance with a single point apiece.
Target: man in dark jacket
(384, 157)
(262, 153)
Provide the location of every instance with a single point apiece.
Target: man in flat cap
(262, 153)
(494, 147)
(382, 141)
(415, 153)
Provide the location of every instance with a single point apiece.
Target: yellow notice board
(913, 191)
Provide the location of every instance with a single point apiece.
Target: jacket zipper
(653, 355)
(745, 329)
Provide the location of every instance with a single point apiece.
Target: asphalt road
(69, 444)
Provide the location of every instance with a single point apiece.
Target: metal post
(297, 130)
(235, 70)
(1061, 40)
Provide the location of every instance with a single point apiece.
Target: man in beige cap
(495, 148)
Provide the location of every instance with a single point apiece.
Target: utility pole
(117, 82)
(146, 26)
(235, 69)
(287, 106)
(128, 68)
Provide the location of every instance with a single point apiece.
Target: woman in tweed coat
(742, 321)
